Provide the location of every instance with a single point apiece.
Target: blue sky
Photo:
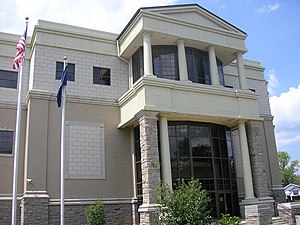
(273, 28)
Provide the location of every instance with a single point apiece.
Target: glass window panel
(173, 148)
(137, 64)
(171, 130)
(221, 132)
(216, 147)
(214, 130)
(229, 149)
(225, 168)
(183, 147)
(223, 148)
(174, 168)
(8, 79)
(101, 76)
(201, 147)
(202, 168)
(165, 62)
(182, 130)
(218, 168)
(70, 69)
(184, 167)
(6, 142)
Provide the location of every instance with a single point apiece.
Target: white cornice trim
(46, 95)
(185, 86)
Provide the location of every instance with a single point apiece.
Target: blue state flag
(63, 83)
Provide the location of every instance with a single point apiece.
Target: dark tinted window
(59, 71)
(8, 79)
(6, 142)
(101, 76)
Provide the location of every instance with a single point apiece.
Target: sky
(272, 26)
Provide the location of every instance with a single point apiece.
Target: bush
(186, 205)
(229, 220)
(95, 214)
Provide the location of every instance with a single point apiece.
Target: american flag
(21, 50)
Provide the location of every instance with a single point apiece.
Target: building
(292, 192)
(169, 97)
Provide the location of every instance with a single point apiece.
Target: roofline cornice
(195, 7)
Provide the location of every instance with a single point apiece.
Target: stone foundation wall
(34, 209)
(115, 214)
(5, 211)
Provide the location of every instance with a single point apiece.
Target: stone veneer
(115, 214)
(150, 164)
(5, 211)
(34, 209)
(254, 135)
(37, 210)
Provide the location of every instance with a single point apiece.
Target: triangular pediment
(194, 14)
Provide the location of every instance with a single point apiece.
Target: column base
(34, 208)
(148, 214)
(257, 211)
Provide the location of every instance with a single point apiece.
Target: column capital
(238, 53)
(180, 41)
(147, 33)
(146, 114)
(211, 47)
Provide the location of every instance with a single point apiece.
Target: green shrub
(95, 214)
(228, 220)
(187, 204)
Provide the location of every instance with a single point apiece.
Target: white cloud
(266, 9)
(103, 15)
(273, 81)
(286, 111)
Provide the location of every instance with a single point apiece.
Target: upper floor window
(101, 76)
(60, 68)
(197, 66)
(220, 72)
(6, 141)
(8, 79)
(165, 62)
(137, 64)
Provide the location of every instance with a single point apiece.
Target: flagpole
(62, 146)
(17, 140)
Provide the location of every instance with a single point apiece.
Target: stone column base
(258, 212)
(147, 214)
(34, 208)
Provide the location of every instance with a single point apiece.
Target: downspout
(118, 54)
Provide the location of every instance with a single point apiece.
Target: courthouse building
(170, 97)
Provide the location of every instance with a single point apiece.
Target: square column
(241, 70)
(150, 165)
(165, 151)
(213, 66)
(254, 134)
(183, 74)
(148, 67)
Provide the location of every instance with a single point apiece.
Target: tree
(95, 214)
(287, 168)
(187, 204)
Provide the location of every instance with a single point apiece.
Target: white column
(213, 66)
(183, 75)
(248, 182)
(148, 67)
(241, 72)
(165, 151)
